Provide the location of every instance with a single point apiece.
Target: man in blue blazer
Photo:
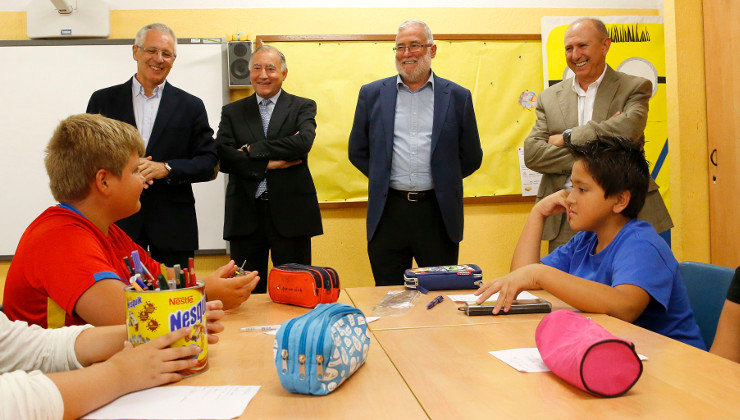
(179, 146)
(415, 137)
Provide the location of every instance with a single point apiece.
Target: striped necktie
(265, 114)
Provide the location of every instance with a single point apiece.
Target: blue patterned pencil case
(315, 352)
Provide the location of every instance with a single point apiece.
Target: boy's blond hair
(83, 144)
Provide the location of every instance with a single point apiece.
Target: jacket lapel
(279, 113)
(166, 109)
(605, 95)
(568, 101)
(441, 103)
(253, 119)
(388, 96)
(127, 105)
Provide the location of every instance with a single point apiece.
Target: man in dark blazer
(263, 143)
(415, 137)
(179, 142)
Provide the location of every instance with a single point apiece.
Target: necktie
(265, 114)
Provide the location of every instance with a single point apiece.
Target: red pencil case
(303, 285)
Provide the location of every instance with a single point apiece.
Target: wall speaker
(239, 53)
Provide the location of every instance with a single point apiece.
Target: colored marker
(261, 328)
(131, 271)
(162, 282)
(435, 301)
(140, 268)
(178, 276)
(186, 277)
(136, 283)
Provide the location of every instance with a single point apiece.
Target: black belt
(413, 195)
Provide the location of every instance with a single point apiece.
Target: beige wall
(491, 230)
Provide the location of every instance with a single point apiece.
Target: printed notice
(530, 178)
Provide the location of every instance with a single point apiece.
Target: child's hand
(508, 287)
(232, 291)
(153, 363)
(553, 204)
(214, 313)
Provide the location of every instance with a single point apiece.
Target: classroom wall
(491, 229)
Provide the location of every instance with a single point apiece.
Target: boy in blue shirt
(615, 265)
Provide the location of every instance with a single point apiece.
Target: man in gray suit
(597, 101)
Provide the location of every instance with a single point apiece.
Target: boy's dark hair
(617, 164)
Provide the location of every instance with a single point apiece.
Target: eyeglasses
(413, 48)
(258, 68)
(167, 55)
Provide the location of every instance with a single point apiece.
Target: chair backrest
(706, 285)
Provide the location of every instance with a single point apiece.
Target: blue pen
(435, 301)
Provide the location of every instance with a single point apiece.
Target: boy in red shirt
(68, 268)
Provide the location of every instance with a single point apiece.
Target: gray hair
(264, 47)
(427, 31)
(598, 25)
(159, 27)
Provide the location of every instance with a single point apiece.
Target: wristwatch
(168, 167)
(566, 135)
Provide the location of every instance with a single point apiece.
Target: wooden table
(435, 364)
(452, 375)
(376, 390)
(443, 314)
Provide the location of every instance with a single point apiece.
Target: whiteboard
(43, 84)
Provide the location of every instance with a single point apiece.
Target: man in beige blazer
(597, 101)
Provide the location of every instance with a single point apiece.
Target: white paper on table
(523, 360)
(527, 359)
(180, 402)
(523, 295)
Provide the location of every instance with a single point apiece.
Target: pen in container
(141, 268)
(178, 276)
(162, 282)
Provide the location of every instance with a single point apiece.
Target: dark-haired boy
(616, 264)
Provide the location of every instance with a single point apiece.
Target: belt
(413, 196)
(264, 196)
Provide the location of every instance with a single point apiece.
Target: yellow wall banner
(502, 76)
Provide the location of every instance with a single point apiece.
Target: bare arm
(527, 250)
(624, 301)
(727, 340)
(103, 303)
(149, 365)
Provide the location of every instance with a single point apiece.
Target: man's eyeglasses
(167, 55)
(413, 48)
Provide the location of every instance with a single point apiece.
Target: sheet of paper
(179, 402)
(527, 359)
(530, 179)
(523, 360)
(525, 295)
